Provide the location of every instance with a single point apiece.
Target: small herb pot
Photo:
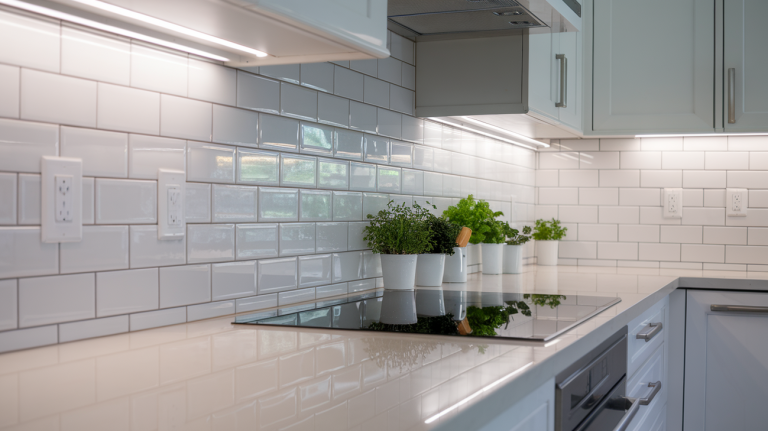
(546, 252)
(429, 269)
(492, 258)
(399, 271)
(398, 307)
(456, 266)
(513, 259)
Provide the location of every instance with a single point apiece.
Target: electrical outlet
(736, 202)
(673, 203)
(171, 187)
(61, 207)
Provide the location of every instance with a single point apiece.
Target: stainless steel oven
(591, 394)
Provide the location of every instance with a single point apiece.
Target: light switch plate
(171, 188)
(736, 202)
(673, 203)
(61, 196)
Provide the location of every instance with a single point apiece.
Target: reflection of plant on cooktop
(542, 300)
(398, 353)
(439, 325)
(484, 321)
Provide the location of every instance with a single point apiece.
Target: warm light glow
(479, 132)
(701, 135)
(505, 131)
(170, 26)
(480, 392)
(108, 28)
(552, 343)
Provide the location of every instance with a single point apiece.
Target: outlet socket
(61, 206)
(736, 202)
(171, 189)
(673, 203)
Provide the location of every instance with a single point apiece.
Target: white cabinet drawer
(651, 372)
(638, 349)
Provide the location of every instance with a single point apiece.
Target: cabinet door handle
(563, 103)
(739, 308)
(636, 403)
(649, 331)
(656, 388)
(731, 95)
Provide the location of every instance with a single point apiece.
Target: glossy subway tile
(256, 241)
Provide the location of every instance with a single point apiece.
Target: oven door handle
(636, 403)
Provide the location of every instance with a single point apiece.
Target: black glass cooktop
(518, 316)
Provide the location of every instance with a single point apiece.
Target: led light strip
(480, 132)
(108, 28)
(169, 26)
(700, 135)
(480, 392)
(505, 131)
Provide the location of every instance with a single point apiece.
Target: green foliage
(541, 300)
(478, 216)
(515, 237)
(484, 321)
(399, 229)
(435, 325)
(548, 230)
(443, 235)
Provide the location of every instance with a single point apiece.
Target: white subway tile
(123, 292)
(578, 249)
(452, 186)
(347, 206)
(442, 160)
(402, 48)
(390, 123)
(104, 154)
(210, 243)
(579, 145)
(558, 160)
(22, 253)
(548, 212)
(8, 305)
(362, 177)
(316, 139)
(638, 233)
(401, 154)
(255, 241)
(376, 92)
(704, 216)
(347, 266)
(413, 182)
(212, 82)
(727, 160)
(693, 198)
(23, 143)
(298, 102)
(755, 217)
(8, 187)
(128, 109)
(348, 83)
(573, 178)
(724, 267)
(348, 145)
(554, 196)
(318, 76)
(640, 197)
(661, 178)
(283, 72)
(9, 91)
(277, 275)
(746, 254)
(682, 160)
(599, 160)
(92, 328)
(389, 70)
(433, 184)
(210, 310)
(147, 250)
(278, 204)
(22, 34)
(373, 203)
(210, 163)
(433, 134)
(254, 303)
(402, 99)
(623, 215)
(297, 239)
(758, 199)
(368, 67)
(623, 144)
(28, 338)
(185, 118)
(257, 93)
(102, 248)
(296, 296)
(681, 234)
(315, 270)
(413, 129)
(617, 250)
(332, 237)
(258, 167)
(278, 133)
(620, 178)
(749, 180)
(653, 215)
(234, 203)
(98, 56)
(88, 200)
(155, 319)
(747, 143)
(330, 290)
(549, 178)
(661, 144)
(388, 179)
(125, 201)
(597, 232)
(715, 198)
(361, 285)
(641, 160)
(660, 252)
(57, 99)
(147, 154)
(160, 70)
(705, 143)
(55, 299)
(235, 126)
(298, 171)
(332, 110)
(184, 285)
(594, 196)
(704, 179)
(725, 235)
(758, 161)
(233, 280)
(29, 199)
(757, 236)
(197, 203)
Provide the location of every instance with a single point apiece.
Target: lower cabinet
(726, 361)
(535, 412)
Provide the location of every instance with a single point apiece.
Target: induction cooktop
(517, 316)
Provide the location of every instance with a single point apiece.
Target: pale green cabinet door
(542, 70)
(570, 47)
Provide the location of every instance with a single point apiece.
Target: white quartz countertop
(212, 375)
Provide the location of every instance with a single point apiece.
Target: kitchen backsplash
(608, 192)
(282, 163)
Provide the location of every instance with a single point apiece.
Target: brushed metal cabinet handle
(656, 388)
(732, 95)
(563, 103)
(649, 331)
(636, 403)
(739, 308)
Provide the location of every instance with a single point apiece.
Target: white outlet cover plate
(669, 211)
(166, 180)
(61, 231)
(730, 197)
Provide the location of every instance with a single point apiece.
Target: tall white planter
(399, 271)
(513, 259)
(398, 307)
(492, 258)
(429, 269)
(456, 266)
(546, 252)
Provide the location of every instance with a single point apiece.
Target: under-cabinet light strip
(505, 131)
(108, 28)
(480, 392)
(480, 132)
(169, 26)
(700, 135)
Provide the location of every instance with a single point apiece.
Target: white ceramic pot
(546, 252)
(430, 302)
(492, 258)
(398, 307)
(456, 266)
(399, 271)
(429, 269)
(513, 259)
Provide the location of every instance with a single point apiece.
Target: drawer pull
(635, 406)
(656, 388)
(650, 331)
(740, 308)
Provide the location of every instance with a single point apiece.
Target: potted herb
(486, 230)
(547, 234)
(399, 233)
(442, 241)
(513, 251)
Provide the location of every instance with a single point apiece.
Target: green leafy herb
(484, 321)
(443, 235)
(541, 300)
(514, 237)
(478, 216)
(441, 325)
(548, 230)
(399, 229)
